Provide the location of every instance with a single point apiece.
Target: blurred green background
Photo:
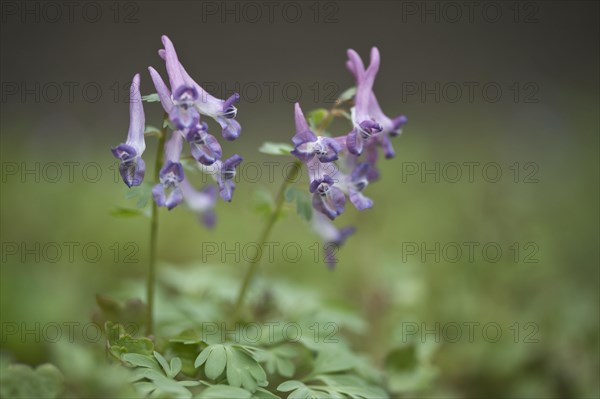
(548, 128)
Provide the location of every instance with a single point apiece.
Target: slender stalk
(291, 174)
(151, 282)
(280, 199)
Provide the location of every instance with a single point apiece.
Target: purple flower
(365, 124)
(226, 175)
(389, 127)
(222, 111)
(167, 192)
(357, 183)
(308, 145)
(223, 172)
(204, 147)
(371, 157)
(201, 202)
(132, 167)
(327, 199)
(333, 238)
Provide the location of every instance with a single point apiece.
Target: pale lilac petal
(302, 152)
(209, 219)
(331, 204)
(333, 238)
(165, 197)
(164, 94)
(327, 199)
(173, 68)
(207, 153)
(232, 162)
(174, 146)
(354, 142)
(172, 171)
(331, 149)
(226, 188)
(386, 144)
(303, 132)
(184, 116)
(359, 201)
(397, 123)
(132, 167)
(331, 247)
(355, 64)
(231, 128)
(135, 136)
(201, 202)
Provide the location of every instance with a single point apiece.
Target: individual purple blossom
(390, 127)
(222, 111)
(225, 176)
(333, 238)
(168, 192)
(356, 184)
(205, 148)
(365, 123)
(201, 202)
(132, 167)
(183, 114)
(223, 172)
(327, 198)
(308, 145)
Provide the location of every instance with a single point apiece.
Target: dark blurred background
(508, 87)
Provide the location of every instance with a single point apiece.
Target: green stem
(291, 175)
(150, 284)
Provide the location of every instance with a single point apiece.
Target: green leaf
(347, 95)
(332, 386)
(279, 360)
(290, 194)
(350, 385)
(263, 202)
(156, 382)
(301, 391)
(262, 393)
(290, 385)
(163, 362)
(151, 98)
(143, 193)
(304, 206)
(215, 364)
(21, 382)
(331, 361)
(175, 367)
(124, 212)
(140, 361)
(408, 368)
(275, 148)
(316, 118)
(402, 359)
(242, 370)
(225, 392)
(167, 123)
(164, 386)
(120, 343)
(151, 131)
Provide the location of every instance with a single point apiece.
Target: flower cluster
(343, 166)
(185, 102)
